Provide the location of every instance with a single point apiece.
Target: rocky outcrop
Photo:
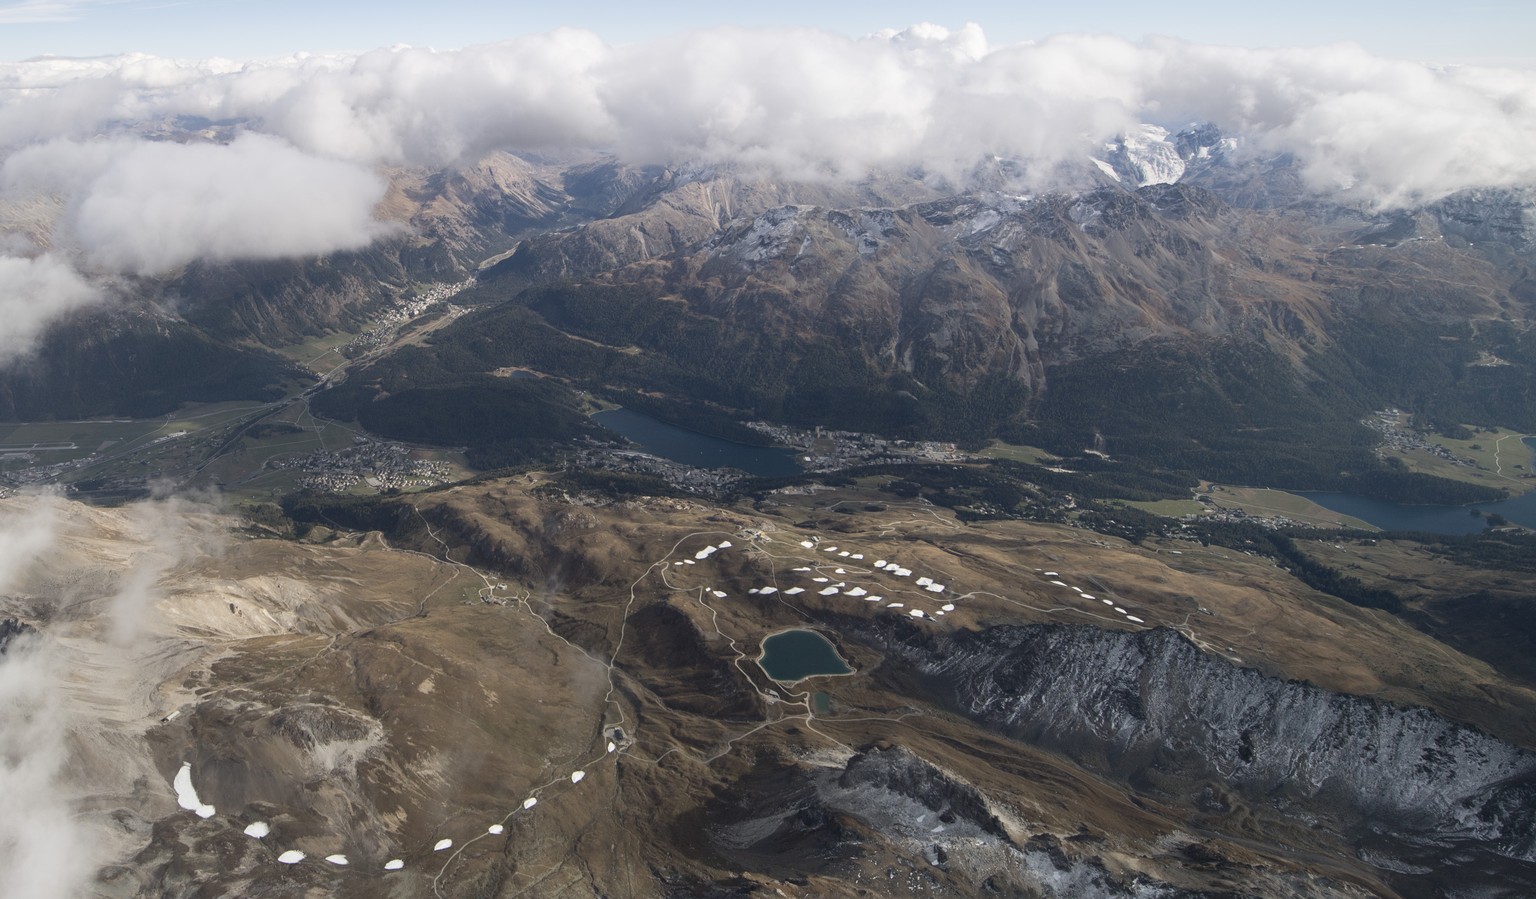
(10, 630)
(1152, 709)
(896, 770)
(917, 828)
(1493, 215)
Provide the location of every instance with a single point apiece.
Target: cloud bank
(143, 207)
(806, 102)
(158, 162)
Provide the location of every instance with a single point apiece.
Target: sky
(1497, 32)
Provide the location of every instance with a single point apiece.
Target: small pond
(792, 655)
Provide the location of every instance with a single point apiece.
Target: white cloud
(45, 852)
(146, 207)
(33, 292)
(425, 107)
(173, 531)
(93, 649)
(27, 533)
(39, 11)
(805, 101)
(142, 207)
(810, 102)
(297, 179)
(1399, 132)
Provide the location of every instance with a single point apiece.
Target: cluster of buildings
(1238, 516)
(822, 450)
(380, 465)
(38, 475)
(404, 311)
(714, 482)
(817, 451)
(1394, 436)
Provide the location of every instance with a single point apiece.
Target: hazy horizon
(1485, 34)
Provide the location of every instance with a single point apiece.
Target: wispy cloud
(45, 851)
(67, 688)
(41, 13)
(34, 291)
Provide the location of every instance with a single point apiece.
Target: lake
(791, 655)
(698, 450)
(1520, 510)
(1431, 519)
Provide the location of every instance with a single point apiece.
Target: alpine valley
(343, 551)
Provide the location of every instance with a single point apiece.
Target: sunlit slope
(596, 655)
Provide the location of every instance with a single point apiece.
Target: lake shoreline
(695, 448)
(1460, 520)
(763, 651)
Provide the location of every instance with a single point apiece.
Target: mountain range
(542, 676)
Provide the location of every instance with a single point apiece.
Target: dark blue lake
(1432, 519)
(1520, 510)
(792, 655)
(699, 450)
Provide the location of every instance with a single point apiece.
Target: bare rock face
(1152, 709)
(10, 630)
(890, 819)
(1502, 216)
(895, 770)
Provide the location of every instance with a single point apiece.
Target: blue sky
(1497, 33)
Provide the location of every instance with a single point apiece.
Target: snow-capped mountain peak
(1149, 154)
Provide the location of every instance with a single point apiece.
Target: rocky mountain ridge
(950, 288)
(1154, 710)
(990, 313)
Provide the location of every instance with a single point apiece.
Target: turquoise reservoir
(792, 655)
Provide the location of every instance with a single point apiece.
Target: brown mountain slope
(370, 703)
